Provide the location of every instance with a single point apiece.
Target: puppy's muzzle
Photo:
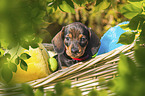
(75, 50)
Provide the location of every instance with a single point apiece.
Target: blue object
(110, 38)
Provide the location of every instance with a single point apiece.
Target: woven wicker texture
(83, 74)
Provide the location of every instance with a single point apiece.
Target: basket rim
(81, 67)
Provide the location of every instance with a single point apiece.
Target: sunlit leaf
(25, 56)
(102, 4)
(127, 38)
(67, 6)
(53, 64)
(27, 89)
(23, 65)
(1, 52)
(131, 10)
(125, 26)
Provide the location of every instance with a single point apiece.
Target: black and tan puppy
(74, 43)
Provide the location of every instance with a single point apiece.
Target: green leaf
(1, 52)
(136, 22)
(53, 5)
(77, 91)
(103, 93)
(6, 73)
(67, 6)
(34, 45)
(142, 35)
(13, 67)
(90, 0)
(39, 92)
(4, 44)
(131, 10)
(52, 64)
(135, 0)
(17, 60)
(67, 92)
(102, 4)
(79, 2)
(126, 66)
(23, 65)
(25, 56)
(35, 12)
(125, 26)
(114, 3)
(127, 72)
(3, 60)
(67, 83)
(27, 89)
(93, 92)
(7, 55)
(59, 88)
(50, 93)
(127, 38)
(140, 54)
(25, 44)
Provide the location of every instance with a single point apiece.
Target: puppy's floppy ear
(57, 41)
(94, 42)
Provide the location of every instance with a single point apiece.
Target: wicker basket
(83, 74)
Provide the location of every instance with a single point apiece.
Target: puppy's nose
(74, 50)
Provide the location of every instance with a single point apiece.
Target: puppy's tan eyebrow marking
(70, 35)
(81, 35)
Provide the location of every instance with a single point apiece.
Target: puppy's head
(76, 39)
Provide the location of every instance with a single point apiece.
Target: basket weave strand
(83, 74)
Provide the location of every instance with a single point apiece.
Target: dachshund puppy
(75, 43)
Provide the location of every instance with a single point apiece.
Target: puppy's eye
(83, 39)
(67, 38)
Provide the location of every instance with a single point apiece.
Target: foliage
(61, 89)
(100, 15)
(20, 25)
(23, 21)
(131, 80)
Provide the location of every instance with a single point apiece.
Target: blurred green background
(96, 18)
